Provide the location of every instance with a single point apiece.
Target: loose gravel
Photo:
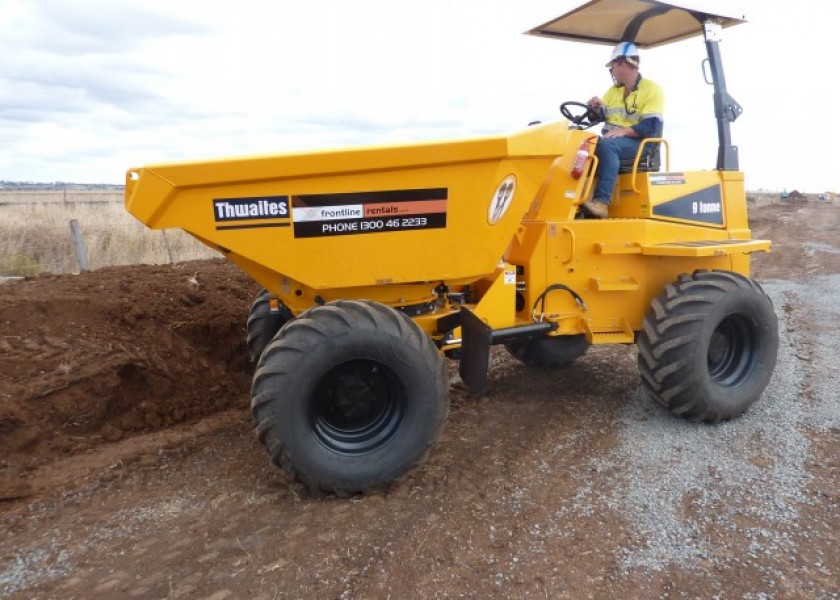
(752, 469)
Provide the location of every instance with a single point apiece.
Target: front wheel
(709, 345)
(350, 396)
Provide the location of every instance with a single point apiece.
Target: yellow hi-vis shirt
(646, 100)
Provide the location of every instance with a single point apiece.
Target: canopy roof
(648, 23)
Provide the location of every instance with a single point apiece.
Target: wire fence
(69, 238)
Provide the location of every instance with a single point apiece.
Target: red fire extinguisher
(580, 159)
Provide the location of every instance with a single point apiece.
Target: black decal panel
(705, 205)
(322, 215)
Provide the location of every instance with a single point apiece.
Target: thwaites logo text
(350, 213)
(248, 209)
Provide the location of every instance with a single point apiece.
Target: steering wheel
(585, 119)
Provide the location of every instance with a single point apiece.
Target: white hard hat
(627, 51)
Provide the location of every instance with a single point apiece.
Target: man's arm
(647, 128)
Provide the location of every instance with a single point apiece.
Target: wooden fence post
(79, 246)
(168, 247)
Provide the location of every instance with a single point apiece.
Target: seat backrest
(650, 159)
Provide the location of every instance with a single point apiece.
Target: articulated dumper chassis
(378, 261)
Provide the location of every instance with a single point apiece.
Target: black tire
(549, 352)
(263, 324)
(349, 397)
(709, 345)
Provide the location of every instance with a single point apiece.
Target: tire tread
(303, 334)
(670, 333)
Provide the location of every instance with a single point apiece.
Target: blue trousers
(610, 151)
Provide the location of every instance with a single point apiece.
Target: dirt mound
(100, 356)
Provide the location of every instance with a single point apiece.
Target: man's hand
(621, 132)
(595, 103)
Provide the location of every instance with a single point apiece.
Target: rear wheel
(549, 352)
(709, 345)
(264, 322)
(350, 396)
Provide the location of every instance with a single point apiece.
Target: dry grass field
(35, 235)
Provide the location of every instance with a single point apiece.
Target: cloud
(199, 80)
(78, 28)
(97, 85)
(72, 56)
(80, 83)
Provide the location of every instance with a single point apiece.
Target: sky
(90, 88)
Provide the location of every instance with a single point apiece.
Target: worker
(632, 110)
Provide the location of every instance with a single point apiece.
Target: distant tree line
(24, 186)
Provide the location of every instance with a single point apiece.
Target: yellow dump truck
(376, 262)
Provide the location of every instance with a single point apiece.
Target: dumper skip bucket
(441, 211)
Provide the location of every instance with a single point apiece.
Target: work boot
(596, 209)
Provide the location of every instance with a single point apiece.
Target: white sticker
(502, 200)
(510, 277)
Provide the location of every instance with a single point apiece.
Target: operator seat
(649, 161)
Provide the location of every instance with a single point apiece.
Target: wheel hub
(730, 351)
(357, 407)
(353, 398)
